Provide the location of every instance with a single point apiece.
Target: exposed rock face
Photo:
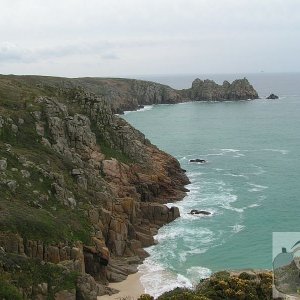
(208, 90)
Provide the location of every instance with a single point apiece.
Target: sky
(117, 38)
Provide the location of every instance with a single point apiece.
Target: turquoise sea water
(250, 182)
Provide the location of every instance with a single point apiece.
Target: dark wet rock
(272, 96)
(198, 160)
(200, 212)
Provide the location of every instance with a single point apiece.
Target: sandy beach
(131, 288)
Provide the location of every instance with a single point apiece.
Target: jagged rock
(41, 290)
(11, 243)
(77, 172)
(20, 121)
(272, 96)
(12, 185)
(37, 115)
(208, 90)
(39, 127)
(3, 164)
(25, 173)
(89, 289)
(14, 128)
(158, 213)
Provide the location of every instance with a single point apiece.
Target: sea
(250, 182)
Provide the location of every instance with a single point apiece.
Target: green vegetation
(107, 149)
(222, 285)
(9, 291)
(19, 273)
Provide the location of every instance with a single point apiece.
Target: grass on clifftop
(23, 211)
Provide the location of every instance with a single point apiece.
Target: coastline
(130, 288)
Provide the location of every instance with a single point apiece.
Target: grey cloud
(15, 53)
(149, 36)
(12, 53)
(110, 56)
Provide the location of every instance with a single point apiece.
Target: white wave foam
(230, 150)
(236, 175)
(256, 187)
(237, 228)
(156, 280)
(254, 205)
(239, 155)
(260, 170)
(205, 234)
(145, 108)
(215, 154)
(282, 151)
(198, 273)
(194, 174)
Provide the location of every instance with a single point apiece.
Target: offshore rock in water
(198, 160)
(273, 96)
(200, 212)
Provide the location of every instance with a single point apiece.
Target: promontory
(82, 192)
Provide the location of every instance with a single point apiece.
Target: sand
(131, 288)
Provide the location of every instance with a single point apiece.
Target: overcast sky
(141, 37)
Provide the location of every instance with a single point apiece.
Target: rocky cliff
(126, 94)
(130, 94)
(81, 191)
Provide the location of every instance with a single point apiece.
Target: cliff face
(79, 187)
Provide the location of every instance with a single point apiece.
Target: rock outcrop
(272, 96)
(208, 90)
(200, 212)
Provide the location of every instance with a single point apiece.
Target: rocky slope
(81, 191)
